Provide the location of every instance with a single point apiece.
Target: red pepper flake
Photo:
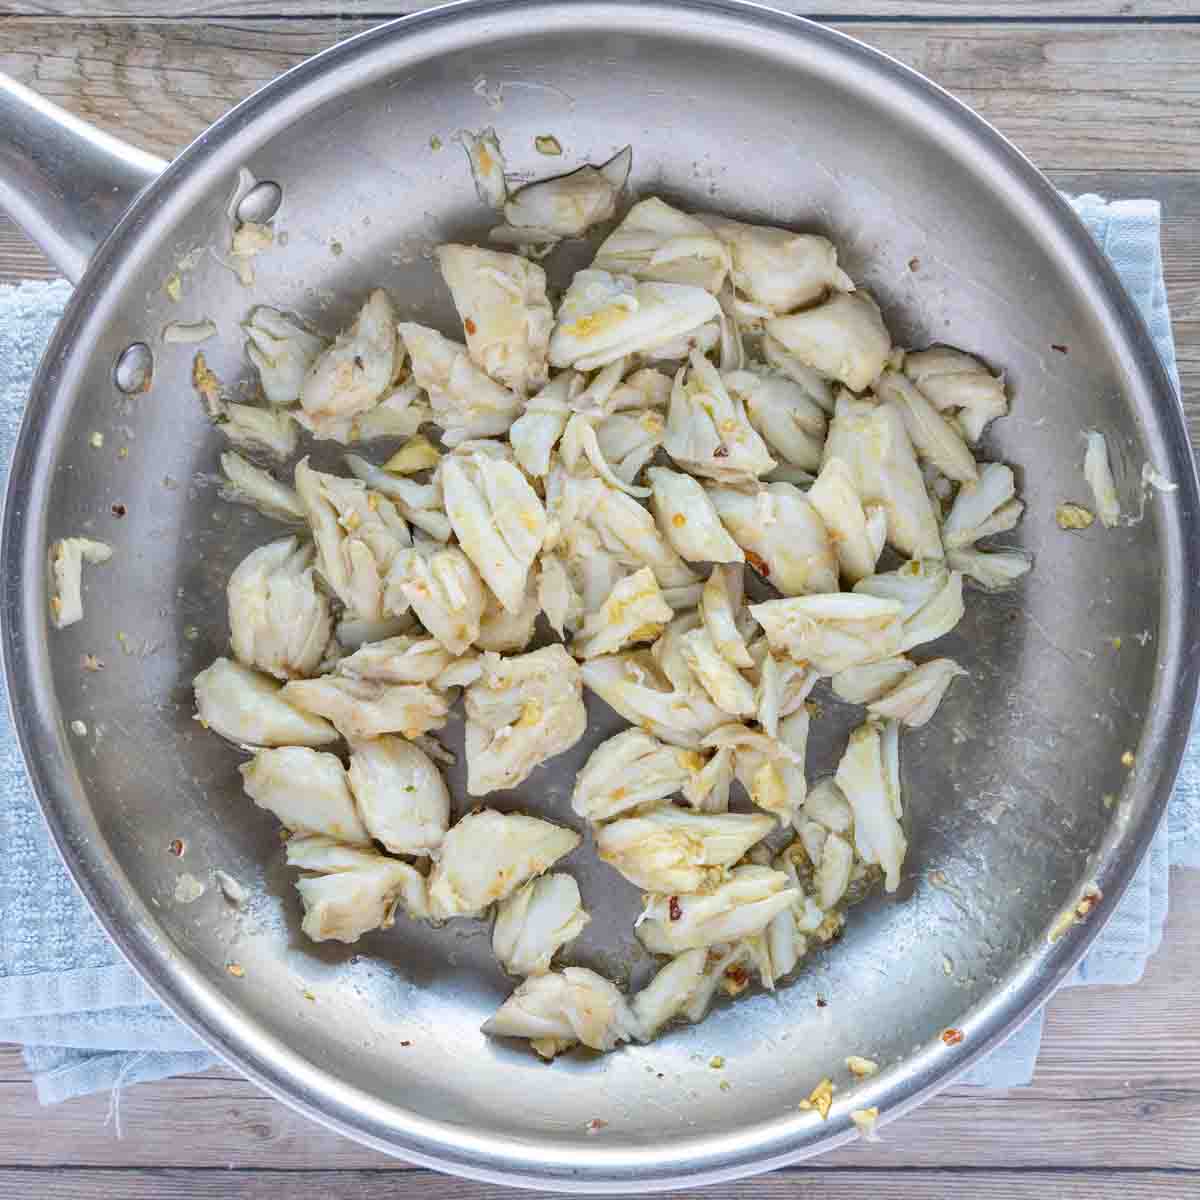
(176, 847)
(406, 1043)
(1059, 347)
(952, 1037)
(722, 451)
(758, 562)
(673, 908)
(737, 976)
(470, 326)
(595, 1125)
(119, 510)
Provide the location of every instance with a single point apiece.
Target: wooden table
(1105, 96)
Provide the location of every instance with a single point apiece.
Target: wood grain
(783, 1185)
(1075, 98)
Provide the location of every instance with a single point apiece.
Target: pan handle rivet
(260, 203)
(134, 369)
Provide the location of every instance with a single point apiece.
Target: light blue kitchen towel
(88, 1023)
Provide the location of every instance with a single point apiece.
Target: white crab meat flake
(248, 708)
(401, 795)
(307, 790)
(844, 338)
(535, 922)
(660, 243)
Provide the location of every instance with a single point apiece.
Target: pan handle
(62, 180)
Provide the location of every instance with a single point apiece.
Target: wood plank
(1118, 1082)
(783, 1185)
(1074, 97)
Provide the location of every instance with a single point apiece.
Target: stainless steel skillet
(1018, 798)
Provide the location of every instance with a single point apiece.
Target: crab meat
(402, 658)
(720, 609)
(740, 907)
(467, 403)
(566, 206)
(283, 351)
(935, 439)
(629, 771)
(487, 855)
(865, 684)
(672, 850)
(844, 338)
(365, 708)
(358, 534)
(688, 520)
(501, 299)
(247, 707)
(356, 371)
(418, 503)
(1097, 470)
(983, 508)
(815, 386)
(835, 497)
(522, 711)
(929, 595)
(770, 768)
(535, 922)
(487, 166)
(398, 415)
(871, 440)
(915, 697)
(833, 632)
(708, 432)
(536, 431)
(660, 243)
(727, 687)
(604, 317)
(556, 595)
(826, 805)
(778, 269)
(950, 379)
(506, 632)
(307, 790)
(498, 519)
(782, 535)
(862, 779)
(790, 421)
(278, 618)
(668, 994)
(400, 794)
(781, 689)
(248, 484)
(635, 611)
(352, 890)
(444, 590)
(560, 1008)
(628, 531)
(67, 557)
(994, 572)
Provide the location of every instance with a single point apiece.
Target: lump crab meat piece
(789, 420)
(628, 771)
(862, 779)
(720, 609)
(444, 590)
(672, 850)
(816, 387)
(708, 789)
(781, 689)
(535, 922)
(635, 611)
(771, 769)
(782, 535)
(419, 503)
(357, 533)
(777, 268)
(560, 1008)
(826, 805)
(498, 519)
(951, 379)
(687, 519)
(67, 557)
(352, 890)
(487, 855)
(666, 996)
(365, 708)
(567, 206)
(284, 353)
(401, 795)
(833, 632)
(604, 317)
(929, 595)
(915, 698)
(660, 243)
(708, 432)
(995, 571)
(982, 508)
(521, 711)
(843, 338)
(556, 595)
(728, 689)
(872, 441)
(248, 484)
(403, 658)
(535, 433)
(836, 498)
(506, 632)
(741, 906)
(862, 685)
(356, 371)
(628, 440)
(936, 440)
(501, 299)
(486, 161)
(307, 790)
(628, 531)
(278, 618)
(247, 707)
(466, 401)
(633, 685)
